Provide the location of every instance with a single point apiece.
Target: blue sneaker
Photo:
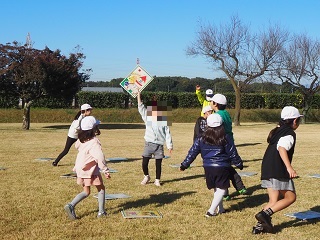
(70, 211)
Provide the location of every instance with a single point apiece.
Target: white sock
(217, 200)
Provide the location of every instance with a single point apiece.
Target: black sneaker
(208, 214)
(256, 230)
(54, 164)
(265, 220)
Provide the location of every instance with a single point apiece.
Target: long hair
(77, 115)
(215, 136)
(288, 122)
(86, 135)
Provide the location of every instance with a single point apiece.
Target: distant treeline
(184, 84)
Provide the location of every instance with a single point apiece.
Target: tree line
(185, 84)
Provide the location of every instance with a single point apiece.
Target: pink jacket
(90, 156)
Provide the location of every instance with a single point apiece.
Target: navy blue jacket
(212, 155)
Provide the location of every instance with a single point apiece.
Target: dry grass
(33, 193)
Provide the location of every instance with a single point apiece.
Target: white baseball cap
(209, 93)
(206, 109)
(88, 123)
(85, 106)
(214, 120)
(219, 98)
(290, 112)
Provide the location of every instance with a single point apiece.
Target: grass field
(33, 193)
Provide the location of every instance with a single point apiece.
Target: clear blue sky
(113, 34)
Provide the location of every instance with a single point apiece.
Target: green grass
(33, 193)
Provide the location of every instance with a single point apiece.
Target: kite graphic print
(137, 80)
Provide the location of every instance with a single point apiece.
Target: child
(276, 170)
(203, 101)
(86, 110)
(156, 134)
(218, 153)
(218, 103)
(90, 161)
(201, 123)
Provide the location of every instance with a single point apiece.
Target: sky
(113, 34)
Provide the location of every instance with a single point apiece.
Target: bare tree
(241, 56)
(300, 66)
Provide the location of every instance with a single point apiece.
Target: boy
(157, 133)
(219, 103)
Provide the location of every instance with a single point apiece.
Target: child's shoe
(102, 214)
(69, 208)
(265, 220)
(208, 214)
(243, 191)
(226, 198)
(157, 182)
(256, 230)
(145, 180)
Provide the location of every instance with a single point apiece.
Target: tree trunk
(26, 116)
(236, 118)
(236, 88)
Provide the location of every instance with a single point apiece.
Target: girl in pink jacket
(89, 164)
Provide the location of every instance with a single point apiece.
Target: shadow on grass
(247, 144)
(249, 201)
(105, 126)
(253, 160)
(122, 160)
(158, 199)
(184, 178)
(298, 222)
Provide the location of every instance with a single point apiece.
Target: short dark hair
(85, 135)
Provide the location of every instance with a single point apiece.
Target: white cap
(85, 106)
(290, 112)
(206, 109)
(219, 98)
(214, 120)
(88, 123)
(209, 93)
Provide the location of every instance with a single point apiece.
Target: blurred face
(296, 123)
(207, 113)
(88, 112)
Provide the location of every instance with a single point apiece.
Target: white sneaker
(157, 182)
(145, 180)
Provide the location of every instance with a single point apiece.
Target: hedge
(177, 100)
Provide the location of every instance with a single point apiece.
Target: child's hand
(292, 172)
(107, 175)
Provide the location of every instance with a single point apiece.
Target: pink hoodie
(90, 156)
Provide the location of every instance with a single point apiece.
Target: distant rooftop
(102, 89)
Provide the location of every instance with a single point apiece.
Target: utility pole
(29, 43)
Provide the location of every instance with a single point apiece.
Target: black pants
(145, 163)
(66, 149)
(236, 179)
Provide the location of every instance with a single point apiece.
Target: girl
(276, 169)
(89, 163)
(86, 110)
(218, 152)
